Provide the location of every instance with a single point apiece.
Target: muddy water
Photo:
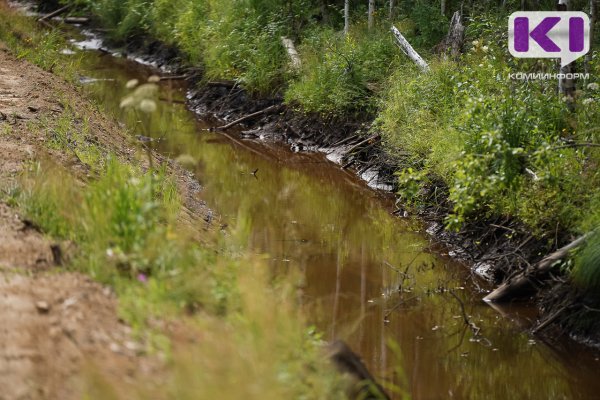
(366, 276)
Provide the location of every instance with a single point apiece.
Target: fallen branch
(474, 328)
(174, 78)
(346, 140)
(269, 109)
(76, 20)
(347, 362)
(522, 281)
(288, 44)
(408, 50)
(54, 13)
(359, 144)
(548, 320)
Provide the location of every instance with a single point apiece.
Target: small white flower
(132, 83)
(148, 106)
(593, 86)
(475, 42)
(127, 102)
(485, 49)
(587, 101)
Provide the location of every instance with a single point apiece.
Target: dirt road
(56, 328)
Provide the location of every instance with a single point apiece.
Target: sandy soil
(55, 327)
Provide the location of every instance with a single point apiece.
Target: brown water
(367, 277)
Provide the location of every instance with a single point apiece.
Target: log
(292, 53)
(245, 117)
(348, 362)
(76, 20)
(521, 283)
(54, 13)
(408, 50)
(174, 78)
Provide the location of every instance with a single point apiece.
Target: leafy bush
(341, 74)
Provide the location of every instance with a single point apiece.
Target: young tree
(346, 16)
(593, 11)
(391, 14)
(371, 12)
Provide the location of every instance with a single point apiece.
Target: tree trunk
(391, 13)
(408, 50)
(588, 56)
(324, 12)
(443, 7)
(371, 12)
(288, 44)
(566, 87)
(453, 43)
(346, 17)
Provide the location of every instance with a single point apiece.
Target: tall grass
(43, 48)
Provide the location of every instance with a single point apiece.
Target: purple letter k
(539, 34)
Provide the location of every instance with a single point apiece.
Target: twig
(54, 13)
(474, 328)
(356, 146)
(345, 140)
(549, 320)
(174, 78)
(242, 119)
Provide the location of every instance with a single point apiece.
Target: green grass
(41, 47)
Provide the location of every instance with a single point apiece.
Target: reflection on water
(367, 277)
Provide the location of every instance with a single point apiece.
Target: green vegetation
(23, 37)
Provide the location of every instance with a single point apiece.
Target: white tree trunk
(346, 17)
(566, 87)
(408, 50)
(288, 44)
(371, 13)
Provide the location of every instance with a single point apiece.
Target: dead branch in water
(174, 78)
(348, 362)
(76, 20)
(54, 13)
(474, 328)
(549, 320)
(269, 109)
